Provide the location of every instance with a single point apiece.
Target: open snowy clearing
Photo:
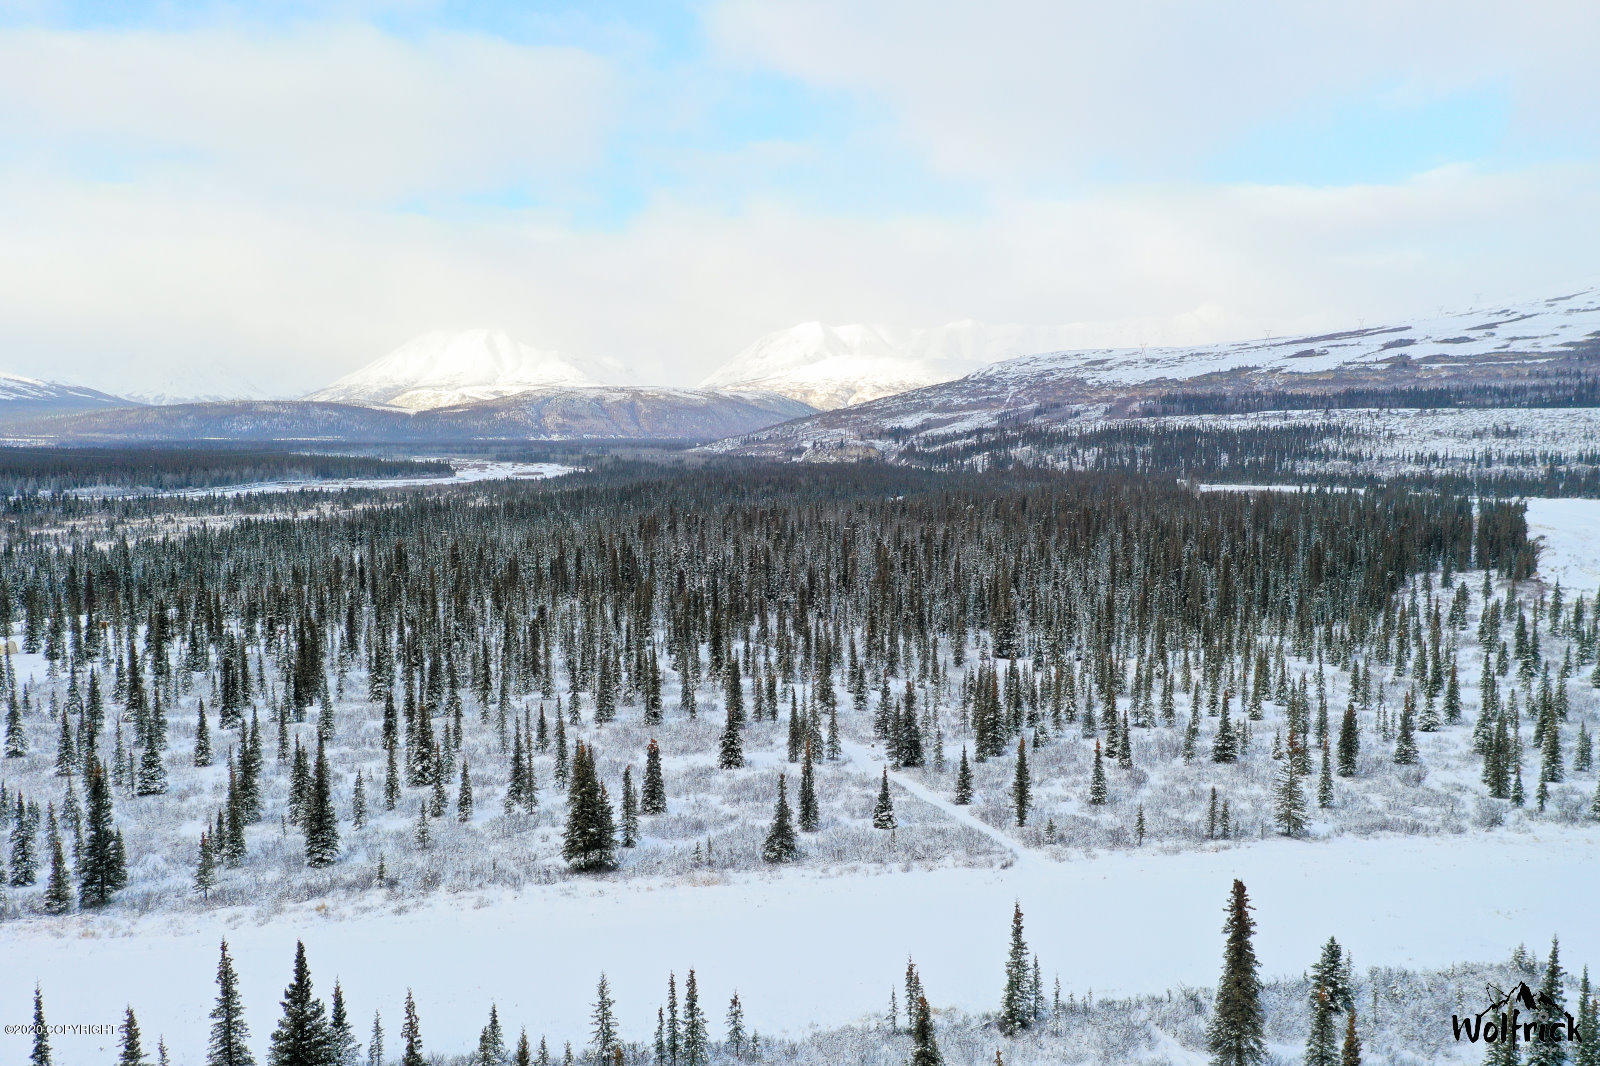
(807, 951)
(466, 471)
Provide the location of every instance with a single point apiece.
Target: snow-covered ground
(807, 951)
(465, 471)
(1569, 531)
(821, 945)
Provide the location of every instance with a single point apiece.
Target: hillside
(1556, 340)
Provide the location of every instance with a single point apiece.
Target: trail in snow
(863, 756)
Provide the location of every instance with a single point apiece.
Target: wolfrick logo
(1520, 1016)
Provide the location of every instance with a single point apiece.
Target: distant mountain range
(854, 390)
(445, 369)
(600, 413)
(837, 366)
(1552, 340)
(30, 398)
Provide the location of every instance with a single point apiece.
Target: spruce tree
(58, 891)
(1350, 1051)
(924, 1048)
(696, 1042)
(780, 845)
(589, 843)
(883, 809)
(1322, 1041)
(1236, 1033)
(630, 809)
(603, 1021)
(464, 795)
(1405, 748)
(132, 1050)
(1550, 1013)
(302, 1037)
(41, 1032)
(731, 752)
(322, 822)
(229, 1034)
(1021, 786)
(1289, 807)
(810, 815)
(202, 737)
(1016, 1002)
(103, 869)
(1097, 779)
(411, 1034)
(1349, 742)
(963, 794)
(736, 1034)
(653, 799)
(346, 1049)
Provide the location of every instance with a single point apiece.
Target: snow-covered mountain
(445, 369)
(838, 366)
(206, 384)
(1520, 344)
(29, 397)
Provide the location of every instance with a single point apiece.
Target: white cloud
(112, 284)
(342, 112)
(1046, 89)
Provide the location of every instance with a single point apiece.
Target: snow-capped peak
(839, 366)
(444, 368)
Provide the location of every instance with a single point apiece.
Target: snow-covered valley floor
(808, 948)
(805, 951)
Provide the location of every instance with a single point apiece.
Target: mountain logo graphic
(1517, 1015)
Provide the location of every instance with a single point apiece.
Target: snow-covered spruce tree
(102, 871)
(696, 1043)
(322, 822)
(1021, 786)
(1016, 1001)
(1289, 801)
(780, 844)
(883, 809)
(1236, 1035)
(132, 1046)
(40, 1055)
(302, 1037)
(963, 794)
(230, 1036)
(603, 1021)
(653, 800)
(810, 817)
(1097, 779)
(590, 841)
(924, 1046)
(346, 1049)
(411, 1035)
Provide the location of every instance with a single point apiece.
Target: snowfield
(806, 951)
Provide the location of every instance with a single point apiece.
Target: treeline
(1321, 453)
(58, 469)
(1566, 391)
(311, 1033)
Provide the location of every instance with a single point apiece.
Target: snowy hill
(838, 366)
(30, 397)
(444, 369)
(1523, 344)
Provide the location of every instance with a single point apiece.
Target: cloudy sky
(277, 193)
